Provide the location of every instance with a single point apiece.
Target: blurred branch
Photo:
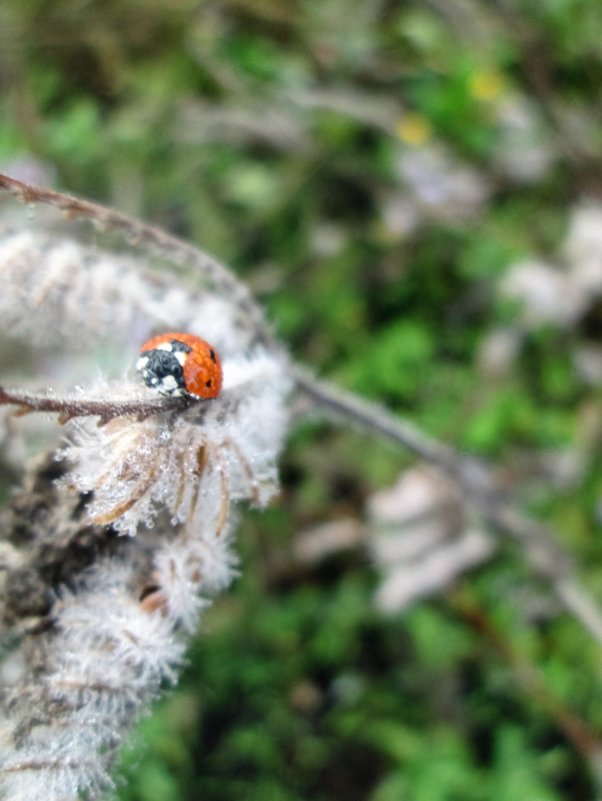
(480, 485)
(584, 738)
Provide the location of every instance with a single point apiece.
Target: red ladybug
(180, 364)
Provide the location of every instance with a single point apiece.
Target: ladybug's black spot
(208, 383)
(181, 346)
(212, 355)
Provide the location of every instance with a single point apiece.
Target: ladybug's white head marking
(169, 385)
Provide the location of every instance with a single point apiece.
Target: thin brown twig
(69, 407)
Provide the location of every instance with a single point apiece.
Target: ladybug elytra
(177, 364)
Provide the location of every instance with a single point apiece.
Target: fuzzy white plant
(119, 539)
(191, 463)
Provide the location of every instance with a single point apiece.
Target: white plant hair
(142, 488)
(59, 291)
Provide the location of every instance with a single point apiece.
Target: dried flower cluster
(190, 463)
(94, 622)
(423, 539)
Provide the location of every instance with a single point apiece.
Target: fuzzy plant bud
(122, 531)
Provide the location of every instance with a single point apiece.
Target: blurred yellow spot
(414, 129)
(486, 84)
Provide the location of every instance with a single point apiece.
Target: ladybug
(180, 364)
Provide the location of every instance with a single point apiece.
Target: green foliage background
(270, 133)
